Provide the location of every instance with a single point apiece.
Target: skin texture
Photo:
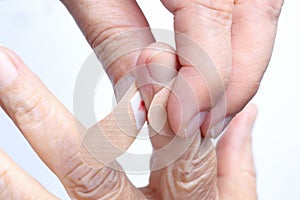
(226, 30)
(226, 172)
(237, 35)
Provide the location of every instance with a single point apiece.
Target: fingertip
(236, 171)
(247, 116)
(155, 69)
(8, 71)
(240, 128)
(252, 110)
(16, 61)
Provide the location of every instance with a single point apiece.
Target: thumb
(236, 172)
(203, 43)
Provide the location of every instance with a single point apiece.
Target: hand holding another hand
(224, 173)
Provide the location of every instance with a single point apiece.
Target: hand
(238, 36)
(52, 132)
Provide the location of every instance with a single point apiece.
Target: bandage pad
(113, 135)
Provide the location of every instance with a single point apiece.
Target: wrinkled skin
(226, 172)
(238, 36)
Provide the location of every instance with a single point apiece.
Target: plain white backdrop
(48, 40)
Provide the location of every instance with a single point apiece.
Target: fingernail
(8, 72)
(217, 129)
(195, 123)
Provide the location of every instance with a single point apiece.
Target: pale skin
(238, 36)
(227, 172)
(229, 168)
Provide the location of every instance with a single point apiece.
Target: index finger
(112, 28)
(53, 133)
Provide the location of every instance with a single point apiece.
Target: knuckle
(84, 182)
(195, 172)
(97, 184)
(27, 105)
(119, 44)
(120, 41)
(100, 36)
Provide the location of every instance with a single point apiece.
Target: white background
(46, 37)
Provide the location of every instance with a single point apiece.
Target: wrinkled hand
(52, 132)
(237, 35)
(226, 30)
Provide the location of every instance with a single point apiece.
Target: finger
(198, 164)
(116, 30)
(17, 184)
(248, 65)
(251, 51)
(192, 176)
(54, 134)
(203, 40)
(156, 68)
(236, 173)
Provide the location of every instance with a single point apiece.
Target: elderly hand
(227, 173)
(225, 30)
(237, 35)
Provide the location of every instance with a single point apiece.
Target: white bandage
(139, 110)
